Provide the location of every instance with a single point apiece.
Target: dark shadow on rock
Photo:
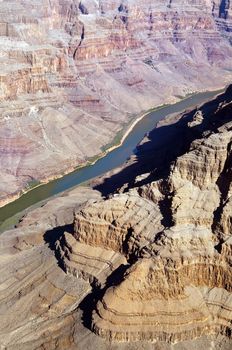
(164, 145)
(116, 276)
(155, 156)
(55, 234)
(89, 303)
(223, 183)
(166, 211)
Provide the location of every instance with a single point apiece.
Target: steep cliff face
(148, 266)
(222, 11)
(74, 73)
(175, 234)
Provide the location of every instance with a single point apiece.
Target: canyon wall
(74, 73)
(175, 233)
(148, 266)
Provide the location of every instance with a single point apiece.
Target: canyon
(140, 258)
(76, 73)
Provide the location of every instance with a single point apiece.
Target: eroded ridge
(149, 265)
(83, 69)
(173, 236)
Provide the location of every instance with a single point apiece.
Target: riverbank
(91, 161)
(115, 155)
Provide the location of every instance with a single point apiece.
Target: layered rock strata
(37, 299)
(73, 74)
(175, 234)
(148, 267)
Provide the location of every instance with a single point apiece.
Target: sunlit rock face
(175, 234)
(147, 267)
(73, 73)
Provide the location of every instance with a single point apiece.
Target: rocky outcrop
(82, 70)
(37, 298)
(175, 236)
(221, 11)
(148, 266)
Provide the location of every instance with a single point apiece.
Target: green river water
(9, 214)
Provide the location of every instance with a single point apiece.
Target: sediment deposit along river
(108, 162)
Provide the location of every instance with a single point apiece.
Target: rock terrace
(73, 74)
(149, 265)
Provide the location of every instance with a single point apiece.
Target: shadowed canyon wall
(147, 267)
(74, 73)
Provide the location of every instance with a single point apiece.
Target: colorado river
(108, 162)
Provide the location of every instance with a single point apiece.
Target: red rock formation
(148, 267)
(72, 73)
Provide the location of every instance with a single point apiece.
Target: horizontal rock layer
(175, 233)
(81, 71)
(147, 266)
